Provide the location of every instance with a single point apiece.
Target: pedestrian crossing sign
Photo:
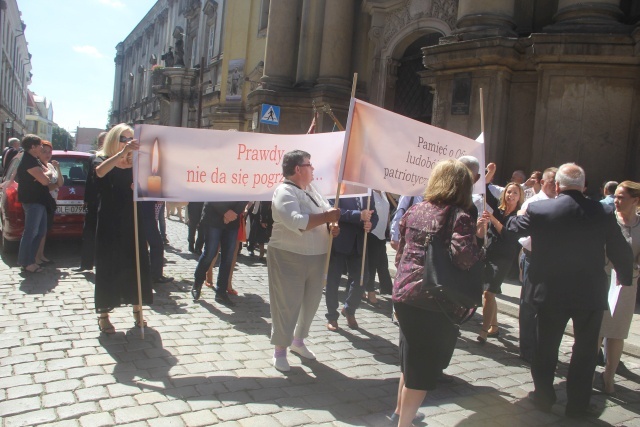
(270, 114)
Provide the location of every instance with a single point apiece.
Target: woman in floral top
(427, 333)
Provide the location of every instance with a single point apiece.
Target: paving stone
(24, 391)
(137, 413)
(167, 422)
(199, 418)
(76, 410)
(17, 406)
(31, 418)
(172, 407)
(58, 399)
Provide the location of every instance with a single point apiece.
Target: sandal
(136, 316)
(208, 284)
(482, 337)
(495, 334)
(232, 292)
(105, 325)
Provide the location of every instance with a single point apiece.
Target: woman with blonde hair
(116, 279)
(502, 251)
(615, 328)
(427, 332)
(51, 169)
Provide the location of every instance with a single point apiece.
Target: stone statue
(168, 58)
(178, 36)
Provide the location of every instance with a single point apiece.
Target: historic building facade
(39, 117)
(15, 71)
(560, 78)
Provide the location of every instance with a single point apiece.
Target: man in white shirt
(527, 317)
(404, 204)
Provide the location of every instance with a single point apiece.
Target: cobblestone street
(201, 363)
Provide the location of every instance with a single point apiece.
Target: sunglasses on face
(125, 138)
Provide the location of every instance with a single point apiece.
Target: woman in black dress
(116, 280)
(501, 254)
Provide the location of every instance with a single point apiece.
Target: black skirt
(427, 341)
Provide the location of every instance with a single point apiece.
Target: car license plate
(70, 210)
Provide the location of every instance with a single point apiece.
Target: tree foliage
(62, 140)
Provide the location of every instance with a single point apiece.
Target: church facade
(560, 78)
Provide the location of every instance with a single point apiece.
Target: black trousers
(377, 261)
(194, 211)
(527, 315)
(89, 237)
(154, 239)
(551, 325)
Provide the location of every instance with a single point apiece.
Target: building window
(212, 39)
(264, 15)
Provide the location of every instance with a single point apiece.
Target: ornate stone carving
(445, 10)
(412, 10)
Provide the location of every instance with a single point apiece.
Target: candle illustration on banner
(154, 182)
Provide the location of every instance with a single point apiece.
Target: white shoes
(281, 364)
(303, 351)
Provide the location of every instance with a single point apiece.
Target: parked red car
(69, 217)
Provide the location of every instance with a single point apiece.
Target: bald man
(570, 236)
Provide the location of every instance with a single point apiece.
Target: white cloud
(88, 50)
(117, 4)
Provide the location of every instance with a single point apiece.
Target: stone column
(280, 50)
(487, 18)
(335, 60)
(117, 86)
(588, 16)
(179, 91)
(310, 42)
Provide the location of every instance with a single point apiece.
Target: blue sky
(73, 43)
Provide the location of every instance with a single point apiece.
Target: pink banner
(393, 153)
(184, 164)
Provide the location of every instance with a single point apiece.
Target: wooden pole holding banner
(484, 198)
(337, 200)
(139, 317)
(364, 244)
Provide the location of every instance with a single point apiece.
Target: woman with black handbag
(427, 318)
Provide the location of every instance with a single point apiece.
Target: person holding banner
(502, 252)
(348, 248)
(296, 256)
(427, 332)
(115, 261)
(616, 324)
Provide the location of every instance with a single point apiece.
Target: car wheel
(9, 247)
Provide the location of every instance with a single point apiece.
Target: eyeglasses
(306, 164)
(125, 138)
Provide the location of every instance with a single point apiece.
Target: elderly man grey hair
(472, 164)
(570, 177)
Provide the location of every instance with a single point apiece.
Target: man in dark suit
(347, 248)
(570, 236)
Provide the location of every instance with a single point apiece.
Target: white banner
(189, 165)
(396, 154)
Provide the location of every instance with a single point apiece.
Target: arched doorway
(411, 98)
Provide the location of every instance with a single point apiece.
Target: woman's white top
(290, 210)
(53, 180)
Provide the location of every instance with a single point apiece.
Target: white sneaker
(303, 351)
(281, 364)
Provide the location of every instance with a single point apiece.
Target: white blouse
(290, 210)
